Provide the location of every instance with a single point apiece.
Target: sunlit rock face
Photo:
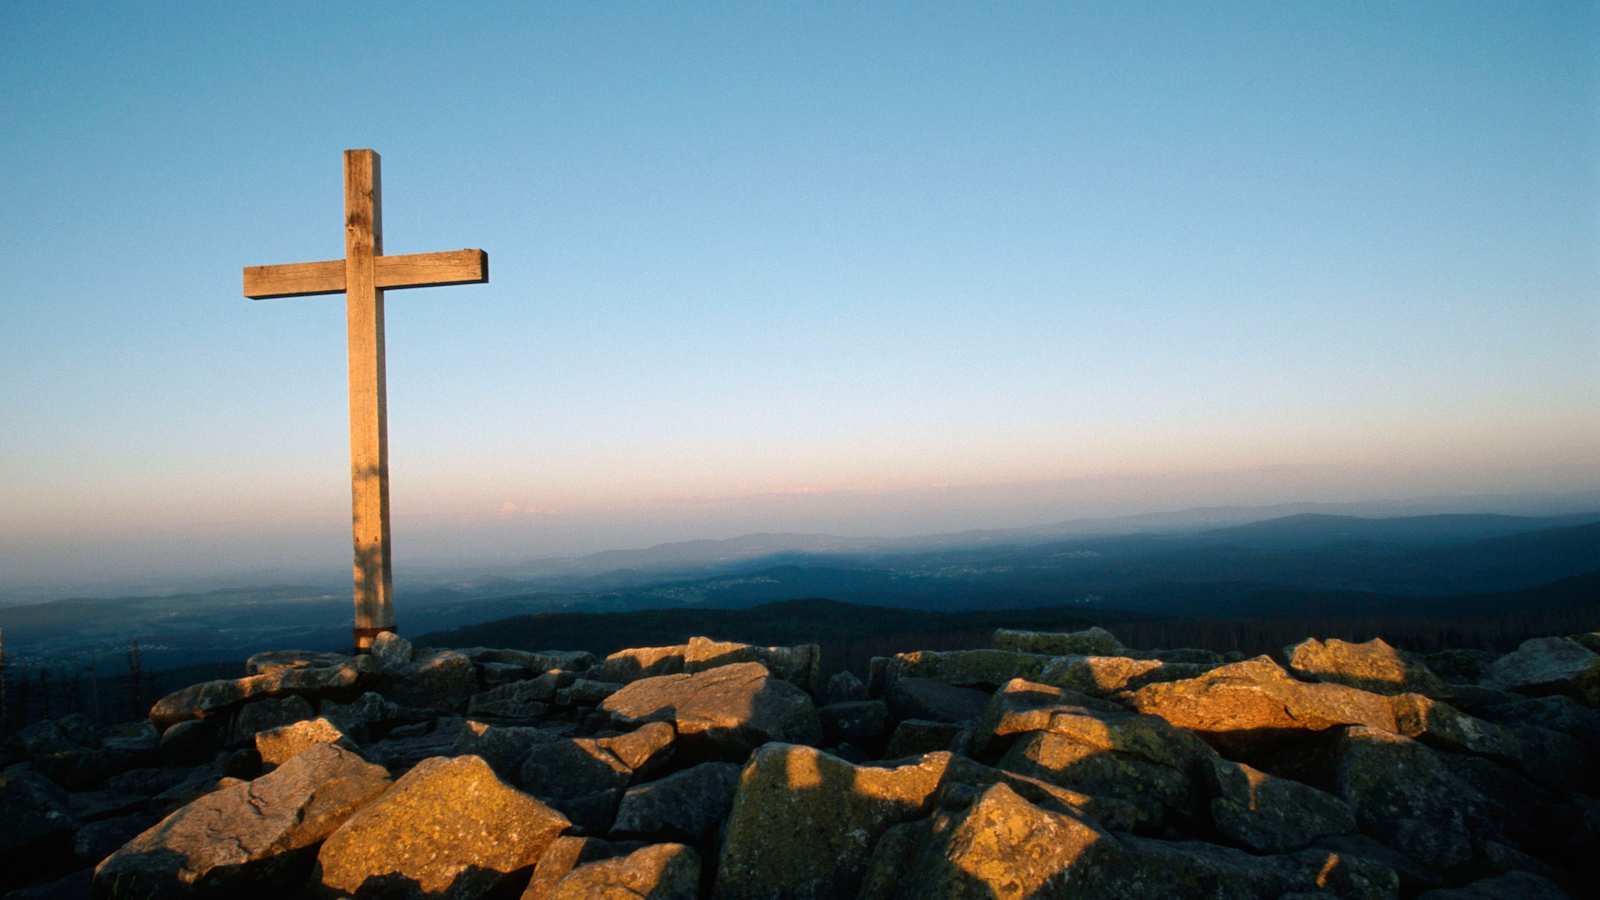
(450, 828)
(247, 837)
(723, 712)
(1373, 666)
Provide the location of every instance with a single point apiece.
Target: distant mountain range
(1215, 563)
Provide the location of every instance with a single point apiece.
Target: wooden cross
(363, 275)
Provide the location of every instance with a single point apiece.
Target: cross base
(365, 636)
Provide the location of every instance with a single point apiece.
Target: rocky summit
(1046, 765)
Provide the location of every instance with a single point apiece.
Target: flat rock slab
(723, 712)
(248, 836)
(450, 828)
(684, 806)
(1371, 666)
(1093, 641)
(199, 701)
(278, 745)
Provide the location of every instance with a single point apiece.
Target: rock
(799, 665)
(1519, 885)
(845, 687)
(921, 698)
(1021, 706)
(632, 664)
(369, 715)
(1404, 796)
(434, 679)
(518, 700)
(985, 669)
(579, 777)
(1157, 868)
(1553, 665)
(586, 692)
(190, 743)
(147, 782)
(685, 806)
(720, 713)
(863, 722)
(67, 751)
(200, 701)
(494, 674)
(1267, 814)
(265, 715)
(97, 840)
(37, 837)
(804, 822)
(87, 806)
(532, 660)
(645, 750)
(1002, 846)
(391, 651)
(1181, 655)
(248, 837)
(1102, 676)
(399, 752)
(503, 747)
(1554, 713)
(1244, 705)
(195, 785)
(1065, 761)
(278, 745)
(1441, 725)
(1373, 666)
(1093, 641)
(657, 872)
(567, 853)
(1459, 666)
(273, 661)
(74, 886)
(914, 737)
(448, 829)
(1413, 875)
(965, 779)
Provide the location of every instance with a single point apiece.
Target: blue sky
(747, 253)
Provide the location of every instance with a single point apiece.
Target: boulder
(493, 674)
(265, 715)
(390, 651)
(1068, 762)
(403, 748)
(532, 660)
(1267, 814)
(1438, 724)
(207, 699)
(368, 716)
(1002, 846)
(278, 745)
(247, 837)
(190, 743)
(1159, 868)
(1092, 641)
(67, 751)
(862, 722)
(656, 872)
(1102, 676)
(634, 663)
(37, 837)
(272, 661)
(720, 713)
(1372, 666)
(579, 777)
(448, 829)
(586, 692)
(1553, 665)
(987, 669)
(1554, 713)
(440, 680)
(97, 840)
(645, 750)
(527, 699)
(1245, 705)
(1021, 706)
(1459, 665)
(684, 806)
(922, 698)
(965, 779)
(1404, 796)
(803, 821)
(914, 737)
(799, 665)
(566, 853)
(503, 747)
(845, 687)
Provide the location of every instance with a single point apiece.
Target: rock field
(1050, 765)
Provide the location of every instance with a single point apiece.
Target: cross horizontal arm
(413, 270)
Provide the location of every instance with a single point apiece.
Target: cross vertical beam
(369, 414)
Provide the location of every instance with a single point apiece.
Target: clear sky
(770, 267)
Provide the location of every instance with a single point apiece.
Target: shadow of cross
(363, 275)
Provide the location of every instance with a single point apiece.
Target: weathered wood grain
(391, 273)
